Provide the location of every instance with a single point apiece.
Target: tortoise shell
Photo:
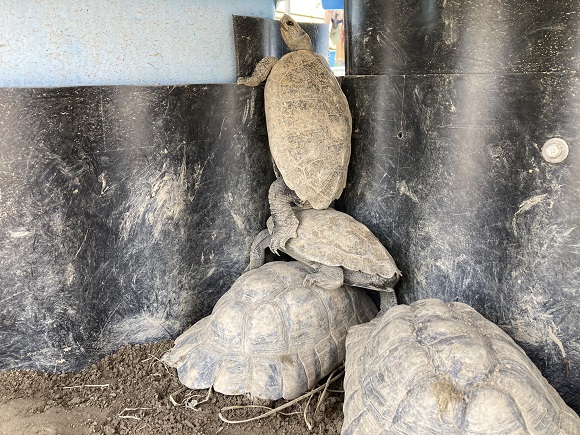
(334, 238)
(309, 127)
(435, 367)
(269, 335)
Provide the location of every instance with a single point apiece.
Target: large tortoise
(309, 129)
(270, 336)
(442, 368)
(338, 249)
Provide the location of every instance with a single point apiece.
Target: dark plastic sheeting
(125, 213)
(439, 36)
(447, 171)
(256, 38)
(457, 101)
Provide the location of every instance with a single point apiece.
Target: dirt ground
(132, 392)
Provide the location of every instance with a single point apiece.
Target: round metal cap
(555, 150)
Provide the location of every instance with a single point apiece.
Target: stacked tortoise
(269, 335)
(426, 368)
(338, 249)
(442, 368)
(309, 127)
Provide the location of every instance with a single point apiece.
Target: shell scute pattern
(357, 249)
(269, 335)
(425, 398)
(435, 367)
(506, 417)
(528, 394)
(311, 72)
(264, 338)
(309, 127)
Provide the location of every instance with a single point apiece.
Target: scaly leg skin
(327, 277)
(388, 301)
(371, 281)
(260, 73)
(285, 222)
(257, 251)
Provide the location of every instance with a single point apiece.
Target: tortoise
(338, 249)
(309, 130)
(269, 336)
(435, 367)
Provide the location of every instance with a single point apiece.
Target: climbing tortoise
(338, 249)
(309, 128)
(441, 368)
(270, 336)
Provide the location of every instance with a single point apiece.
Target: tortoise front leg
(327, 277)
(260, 73)
(281, 198)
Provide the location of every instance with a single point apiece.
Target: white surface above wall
(102, 42)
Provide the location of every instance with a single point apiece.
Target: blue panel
(145, 42)
(333, 4)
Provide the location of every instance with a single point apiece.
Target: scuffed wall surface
(445, 36)
(451, 103)
(146, 42)
(125, 213)
(447, 171)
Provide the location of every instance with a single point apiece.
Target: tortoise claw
(279, 238)
(309, 281)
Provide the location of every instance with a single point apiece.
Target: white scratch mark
(82, 243)
(393, 44)
(558, 342)
(69, 274)
(238, 220)
(248, 110)
(20, 234)
(3, 301)
(525, 206)
(162, 203)
(404, 190)
(103, 179)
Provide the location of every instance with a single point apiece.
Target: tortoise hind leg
(285, 222)
(388, 301)
(257, 251)
(327, 277)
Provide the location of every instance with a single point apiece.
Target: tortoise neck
(303, 42)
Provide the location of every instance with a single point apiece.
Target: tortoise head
(293, 35)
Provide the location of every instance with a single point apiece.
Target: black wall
(451, 103)
(125, 213)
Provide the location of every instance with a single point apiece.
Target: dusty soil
(132, 392)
